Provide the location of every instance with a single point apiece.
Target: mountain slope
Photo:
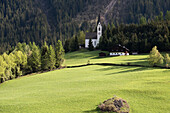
(39, 20)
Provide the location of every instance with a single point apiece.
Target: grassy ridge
(79, 90)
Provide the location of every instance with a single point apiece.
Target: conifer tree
(52, 57)
(143, 20)
(167, 60)
(155, 57)
(59, 54)
(91, 48)
(134, 41)
(67, 46)
(45, 57)
(76, 44)
(21, 61)
(34, 61)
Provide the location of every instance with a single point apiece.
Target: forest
(139, 37)
(39, 20)
(29, 58)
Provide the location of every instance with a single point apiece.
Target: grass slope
(79, 90)
(82, 57)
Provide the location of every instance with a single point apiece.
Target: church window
(94, 42)
(99, 28)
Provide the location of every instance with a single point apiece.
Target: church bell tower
(99, 30)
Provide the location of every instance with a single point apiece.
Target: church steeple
(99, 30)
(98, 19)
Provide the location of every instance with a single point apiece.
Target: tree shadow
(131, 69)
(109, 68)
(124, 69)
(98, 57)
(135, 59)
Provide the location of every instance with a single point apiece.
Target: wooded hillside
(39, 20)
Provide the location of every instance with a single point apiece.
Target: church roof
(91, 35)
(119, 48)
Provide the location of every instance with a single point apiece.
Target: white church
(95, 37)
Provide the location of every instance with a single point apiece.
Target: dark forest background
(41, 20)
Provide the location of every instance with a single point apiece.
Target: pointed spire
(98, 19)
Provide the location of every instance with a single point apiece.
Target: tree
(76, 44)
(45, 57)
(134, 41)
(2, 69)
(10, 65)
(167, 16)
(67, 46)
(21, 61)
(91, 48)
(103, 42)
(81, 38)
(59, 54)
(34, 61)
(167, 60)
(155, 57)
(143, 20)
(52, 58)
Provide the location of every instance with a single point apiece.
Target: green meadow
(81, 89)
(83, 56)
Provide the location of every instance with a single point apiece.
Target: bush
(115, 104)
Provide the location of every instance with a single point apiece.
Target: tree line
(30, 58)
(139, 37)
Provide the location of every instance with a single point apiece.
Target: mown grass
(79, 90)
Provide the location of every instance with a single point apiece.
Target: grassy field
(79, 90)
(78, 58)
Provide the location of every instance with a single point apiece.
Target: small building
(102, 54)
(134, 53)
(119, 51)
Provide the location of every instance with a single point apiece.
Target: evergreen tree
(59, 54)
(67, 46)
(134, 41)
(34, 61)
(143, 20)
(103, 43)
(52, 57)
(167, 16)
(167, 60)
(155, 57)
(91, 48)
(21, 61)
(45, 63)
(76, 44)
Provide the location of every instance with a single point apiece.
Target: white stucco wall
(93, 42)
(99, 32)
(118, 54)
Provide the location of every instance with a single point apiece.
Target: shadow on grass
(135, 59)
(124, 69)
(131, 70)
(97, 57)
(93, 111)
(111, 68)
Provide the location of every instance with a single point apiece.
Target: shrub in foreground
(115, 104)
